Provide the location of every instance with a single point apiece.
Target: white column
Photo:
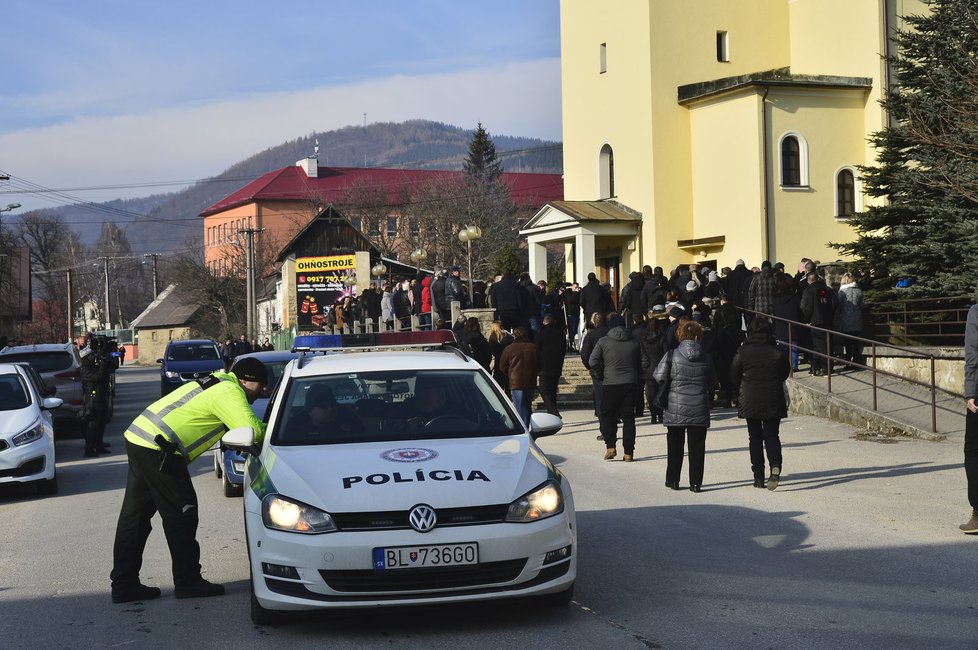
(584, 258)
(538, 261)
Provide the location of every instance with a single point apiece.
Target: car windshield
(392, 406)
(13, 393)
(40, 361)
(193, 352)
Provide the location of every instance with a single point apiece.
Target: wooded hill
(415, 144)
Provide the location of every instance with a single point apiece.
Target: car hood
(14, 422)
(399, 475)
(194, 366)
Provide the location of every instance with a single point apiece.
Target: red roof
(292, 184)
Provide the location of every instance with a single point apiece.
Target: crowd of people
(231, 349)
(682, 344)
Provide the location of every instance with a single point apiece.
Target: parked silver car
(58, 364)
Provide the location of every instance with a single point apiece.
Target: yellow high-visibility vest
(193, 418)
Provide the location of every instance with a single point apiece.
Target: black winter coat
(653, 347)
(552, 346)
(505, 295)
(594, 298)
(758, 372)
(475, 345)
(590, 340)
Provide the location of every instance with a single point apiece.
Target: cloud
(199, 140)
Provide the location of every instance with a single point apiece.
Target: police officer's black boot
(198, 589)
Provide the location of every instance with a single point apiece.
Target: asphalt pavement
(858, 547)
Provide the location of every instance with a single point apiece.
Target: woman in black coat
(651, 340)
(758, 373)
(474, 344)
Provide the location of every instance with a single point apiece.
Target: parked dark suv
(186, 361)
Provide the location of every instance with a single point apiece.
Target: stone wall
(948, 366)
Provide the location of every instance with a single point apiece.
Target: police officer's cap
(250, 369)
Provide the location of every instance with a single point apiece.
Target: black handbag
(661, 400)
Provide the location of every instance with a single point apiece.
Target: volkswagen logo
(422, 518)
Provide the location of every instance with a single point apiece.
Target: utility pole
(108, 314)
(71, 314)
(250, 280)
(156, 287)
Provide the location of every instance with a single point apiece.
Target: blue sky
(104, 93)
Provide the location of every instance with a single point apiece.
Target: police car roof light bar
(375, 340)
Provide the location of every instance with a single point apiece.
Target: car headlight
(36, 432)
(284, 514)
(545, 501)
(169, 374)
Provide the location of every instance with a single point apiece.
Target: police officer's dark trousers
(149, 490)
(971, 457)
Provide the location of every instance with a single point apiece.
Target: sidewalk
(902, 408)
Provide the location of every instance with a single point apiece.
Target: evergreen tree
(927, 170)
(481, 164)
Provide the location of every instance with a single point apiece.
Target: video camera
(106, 349)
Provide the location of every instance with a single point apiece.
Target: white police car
(401, 477)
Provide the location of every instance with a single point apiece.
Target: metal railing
(831, 336)
(937, 320)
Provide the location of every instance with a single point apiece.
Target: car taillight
(69, 374)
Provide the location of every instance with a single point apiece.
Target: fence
(921, 321)
(795, 329)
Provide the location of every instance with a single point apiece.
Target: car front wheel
(48, 486)
(260, 615)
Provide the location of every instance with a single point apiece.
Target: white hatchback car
(26, 431)
(401, 477)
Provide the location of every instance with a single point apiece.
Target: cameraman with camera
(96, 368)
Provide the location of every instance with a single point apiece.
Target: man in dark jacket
(438, 300)
(551, 346)
(737, 284)
(506, 300)
(598, 331)
(455, 290)
(529, 295)
(371, 298)
(630, 300)
(728, 335)
(572, 305)
(594, 298)
(818, 310)
(620, 359)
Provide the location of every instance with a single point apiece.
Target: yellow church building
(707, 131)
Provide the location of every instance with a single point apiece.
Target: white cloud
(197, 141)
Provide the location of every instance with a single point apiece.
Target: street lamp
(417, 255)
(350, 282)
(10, 206)
(468, 235)
(379, 270)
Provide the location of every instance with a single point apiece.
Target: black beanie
(250, 369)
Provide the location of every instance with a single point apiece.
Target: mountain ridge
(415, 144)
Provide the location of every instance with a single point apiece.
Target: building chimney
(310, 166)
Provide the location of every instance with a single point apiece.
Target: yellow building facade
(709, 131)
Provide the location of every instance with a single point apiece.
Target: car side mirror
(544, 424)
(159, 361)
(51, 403)
(240, 439)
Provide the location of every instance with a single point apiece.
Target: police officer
(94, 374)
(160, 443)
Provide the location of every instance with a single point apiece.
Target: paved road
(857, 548)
